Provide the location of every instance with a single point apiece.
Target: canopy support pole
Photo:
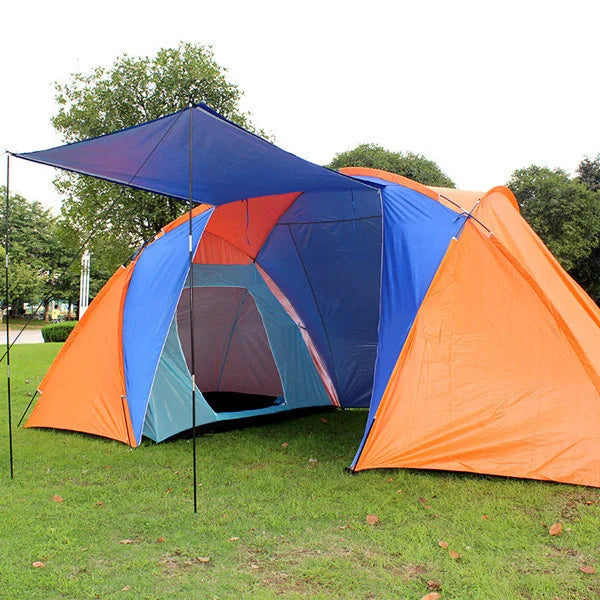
(7, 307)
(191, 280)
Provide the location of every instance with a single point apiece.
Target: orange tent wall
(575, 310)
(91, 360)
(487, 381)
(237, 231)
(183, 218)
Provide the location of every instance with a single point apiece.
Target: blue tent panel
(418, 231)
(169, 409)
(151, 299)
(229, 163)
(279, 258)
(325, 255)
(347, 205)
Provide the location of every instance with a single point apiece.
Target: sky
(482, 88)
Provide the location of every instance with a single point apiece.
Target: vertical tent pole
(191, 280)
(6, 298)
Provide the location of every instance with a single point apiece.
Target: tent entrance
(225, 402)
(234, 365)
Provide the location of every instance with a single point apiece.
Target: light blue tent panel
(169, 410)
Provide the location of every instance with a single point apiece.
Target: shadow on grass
(262, 421)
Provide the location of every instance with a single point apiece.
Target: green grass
(272, 523)
(17, 324)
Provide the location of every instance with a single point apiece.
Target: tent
(440, 310)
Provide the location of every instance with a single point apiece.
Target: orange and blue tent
(439, 310)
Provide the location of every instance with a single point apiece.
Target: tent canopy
(229, 163)
(441, 310)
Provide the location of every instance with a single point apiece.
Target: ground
(278, 517)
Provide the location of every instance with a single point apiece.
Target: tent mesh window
(234, 365)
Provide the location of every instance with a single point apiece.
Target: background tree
(131, 91)
(589, 173)
(587, 272)
(414, 166)
(106, 251)
(565, 213)
(33, 252)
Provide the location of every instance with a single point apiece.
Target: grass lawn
(272, 523)
(17, 324)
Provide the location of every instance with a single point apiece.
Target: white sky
(480, 87)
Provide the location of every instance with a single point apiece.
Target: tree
(131, 91)
(563, 212)
(587, 272)
(414, 166)
(106, 251)
(589, 173)
(32, 250)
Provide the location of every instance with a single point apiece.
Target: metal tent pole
(191, 280)
(6, 299)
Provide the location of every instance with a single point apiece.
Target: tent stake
(191, 279)
(6, 298)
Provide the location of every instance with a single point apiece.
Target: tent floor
(237, 402)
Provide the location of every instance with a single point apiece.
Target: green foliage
(58, 332)
(589, 173)
(587, 272)
(107, 252)
(131, 91)
(563, 212)
(33, 253)
(413, 166)
(273, 524)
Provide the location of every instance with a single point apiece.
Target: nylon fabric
(487, 382)
(84, 394)
(169, 408)
(319, 207)
(411, 258)
(365, 173)
(577, 310)
(299, 378)
(152, 297)
(325, 256)
(314, 354)
(229, 163)
(214, 250)
(231, 349)
(280, 260)
(245, 225)
(347, 289)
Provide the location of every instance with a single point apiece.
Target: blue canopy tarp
(229, 163)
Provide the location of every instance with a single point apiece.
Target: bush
(58, 332)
